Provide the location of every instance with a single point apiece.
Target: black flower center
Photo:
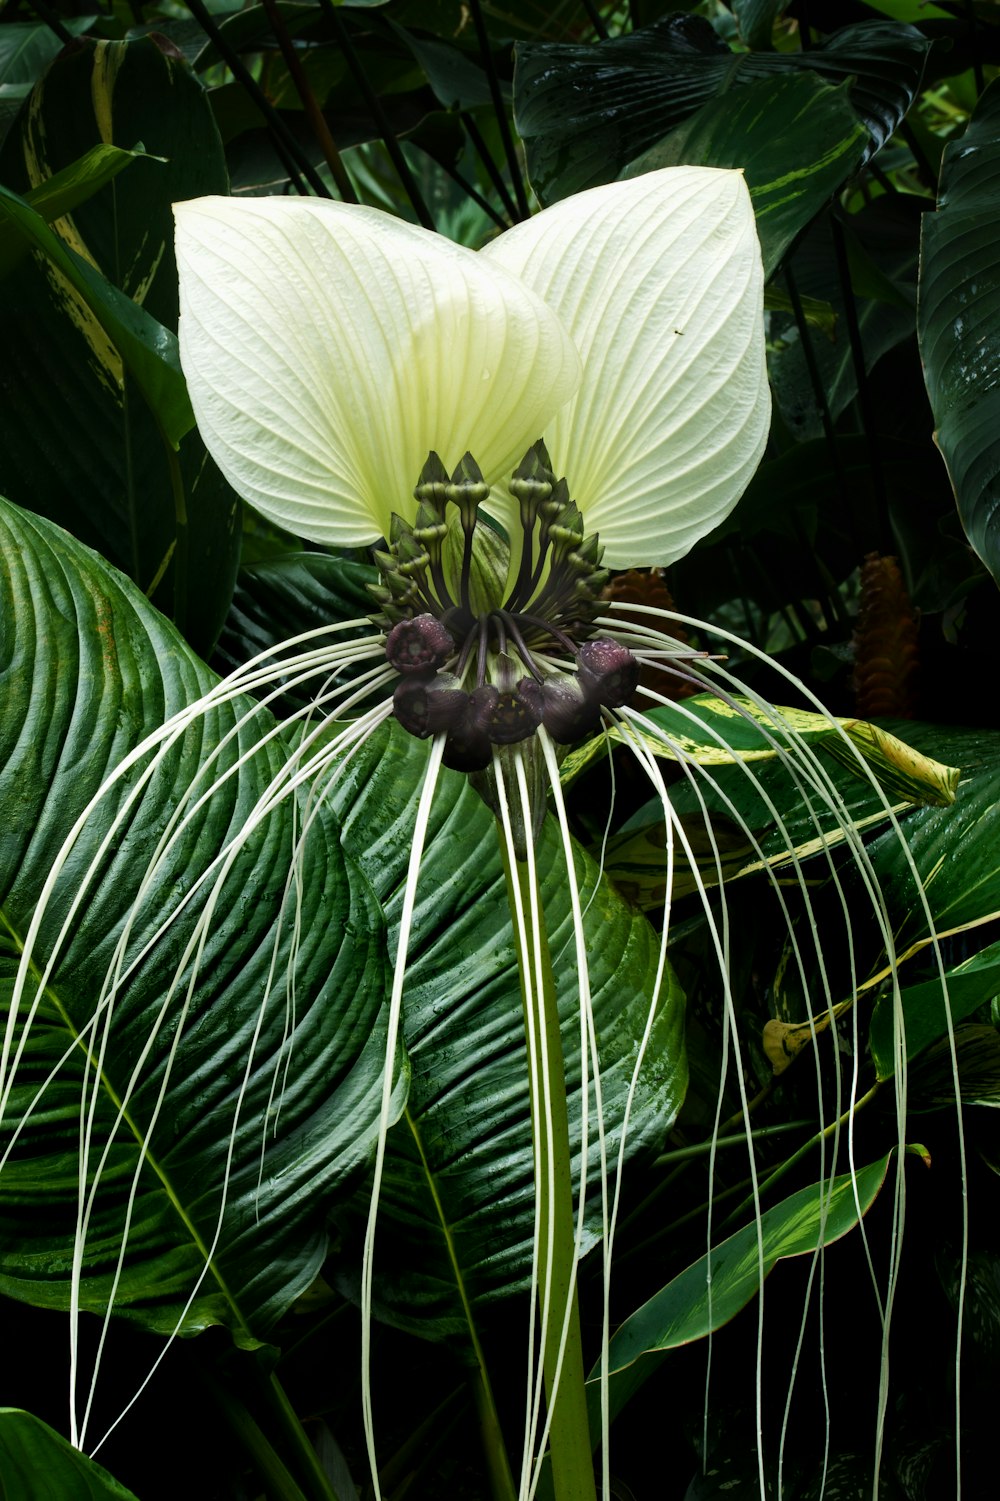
(484, 668)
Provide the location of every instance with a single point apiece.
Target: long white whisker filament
(154, 749)
(543, 1117)
(712, 671)
(420, 826)
(281, 787)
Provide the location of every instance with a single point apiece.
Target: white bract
(329, 348)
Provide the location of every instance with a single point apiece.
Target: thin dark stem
(515, 635)
(378, 115)
(816, 380)
(553, 631)
(805, 39)
(865, 405)
(977, 62)
(51, 20)
(596, 20)
(493, 172)
(469, 527)
(477, 197)
(310, 104)
(275, 124)
(503, 124)
(919, 155)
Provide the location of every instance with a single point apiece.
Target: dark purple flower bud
(514, 715)
(428, 705)
(468, 746)
(419, 645)
(569, 712)
(608, 672)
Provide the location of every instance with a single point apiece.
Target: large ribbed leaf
(77, 441)
(955, 850)
(958, 323)
(286, 595)
(37, 1461)
(255, 1093)
(459, 1175)
(796, 138)
(585, 112)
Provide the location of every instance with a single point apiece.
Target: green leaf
(585, 112)
(26, 48)
(691, 1305)
(37, 1461)
(79, 181)
(797, 139)
(232, 1099)
(146, 349)
(756, 20)
(170, 522)
(970, 985)
(955, 850)
(459, 1178)
(286, 595)
(882, 248)
(958, 323)
(715, 732)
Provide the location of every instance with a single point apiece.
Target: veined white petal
(328, 348)
(659, 281)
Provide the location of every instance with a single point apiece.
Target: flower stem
(569, 1435)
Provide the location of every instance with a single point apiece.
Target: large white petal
(659, 281)
(329, 348)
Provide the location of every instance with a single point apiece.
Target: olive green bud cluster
(492, 678)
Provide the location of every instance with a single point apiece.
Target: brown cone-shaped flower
(647, 586)
(886, 661)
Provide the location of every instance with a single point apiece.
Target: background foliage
(864, 558)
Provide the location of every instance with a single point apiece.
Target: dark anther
(608, 672)
(419, 645)
(427, 705)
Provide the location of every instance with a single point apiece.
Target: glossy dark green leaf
(796, 138)
(78, 442)
(27, 47)
(756, 20)
(959, 323)
(146, 350)
(691, 1306)
(37, 1461)
(459, 1178)
(955, 850)
(458, 80)
(586, 112)
(284, 596)
(252, 1081)
(969, 986)
(79, 181)
(884, 239)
